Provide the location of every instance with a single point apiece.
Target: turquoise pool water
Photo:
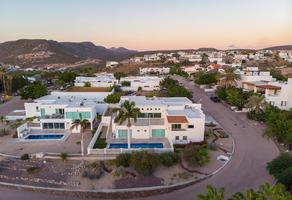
(136, 145)
(45, 137)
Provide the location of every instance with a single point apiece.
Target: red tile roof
(268, 86)
(177, 119)
(216, 66)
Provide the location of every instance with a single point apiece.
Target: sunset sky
(151, 24)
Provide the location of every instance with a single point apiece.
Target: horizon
(151, 25)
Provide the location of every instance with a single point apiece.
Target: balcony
(53, 116)
(178, 129)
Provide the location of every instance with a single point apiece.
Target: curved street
(245, 170)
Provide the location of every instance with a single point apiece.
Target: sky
(150, 24)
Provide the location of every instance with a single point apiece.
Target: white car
(223, 158)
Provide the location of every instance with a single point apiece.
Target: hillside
(39, 52)
(275, 48)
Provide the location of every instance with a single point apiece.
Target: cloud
(232, 46)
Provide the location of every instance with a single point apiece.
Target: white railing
(94, 138)
(107, 151)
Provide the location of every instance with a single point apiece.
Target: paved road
(14, 104)
(245, 170)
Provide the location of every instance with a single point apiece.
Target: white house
(215, 57)
(276, 93)
(175, 118)
(146, 83)
(160, 70)
(192, 69)
(281, 96)
(111, 64)
(251, 74)
(58, 110)
(100, 80)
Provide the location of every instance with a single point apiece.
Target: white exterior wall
(161, 70)
(195, 134)
(147, 83)
(283, 99)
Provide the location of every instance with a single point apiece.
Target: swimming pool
(136, 145)
(45, 137)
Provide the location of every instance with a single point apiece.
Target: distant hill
(275, 48)
(38, 52)
(207, 49)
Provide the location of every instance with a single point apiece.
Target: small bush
(113, 98)
(100, 143)
(93, 171)
(64, 156)
(213, 146)
(144, 162)
(32, 170)
(123, 159)
(24, 156)
(196, 155)
(120, 171)
(169, 159)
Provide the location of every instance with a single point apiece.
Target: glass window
(175, 126)
(122, 133)
(76, 115)
(185, 137)
(191, 126)
(51, 125)
(158, 133)
(176, 137)
(43, 113)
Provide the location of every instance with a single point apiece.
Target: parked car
(215, 99)
(223, 158)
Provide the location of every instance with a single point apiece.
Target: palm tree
(212, 194)
(277, 191)
(127, 112)
(255, 103)
(248, 195)
(80, 123)
(229, 78)
(3, 119)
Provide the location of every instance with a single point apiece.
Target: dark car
(215, 99)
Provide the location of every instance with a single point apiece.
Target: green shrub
(64, 156)
(206, 78)
(126, 83)
(32, 170)
(281, 169)
(144, 162)
(169, 159)
(120, 171)
(113, 98)
(100, 143)
(93, 171)
(24, 156)
(87, 84)
(123, 159)
(196, 155)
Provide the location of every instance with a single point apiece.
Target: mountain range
(40, 53)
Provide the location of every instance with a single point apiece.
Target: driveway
(245, 170)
